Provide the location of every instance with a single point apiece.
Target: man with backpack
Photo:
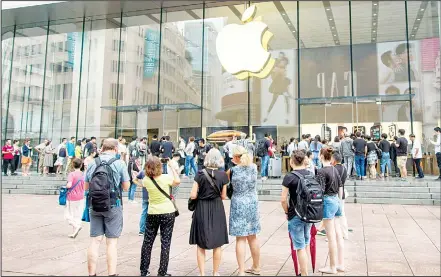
(133, 148)
(105, 179)
(262, 152)
(301, 210)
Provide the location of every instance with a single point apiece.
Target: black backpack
(309, 207)
(261, 149)
(103, 192)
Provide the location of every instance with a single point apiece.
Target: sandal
(252, 271)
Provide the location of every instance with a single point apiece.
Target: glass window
(225, 98)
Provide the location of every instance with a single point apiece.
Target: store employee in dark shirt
(360, 155)
(299, 231)
(155, 146)
(401, 144)
(385, 156)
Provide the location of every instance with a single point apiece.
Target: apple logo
(243, 49)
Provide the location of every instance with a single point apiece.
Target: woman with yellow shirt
(78, 151)
(160, 215)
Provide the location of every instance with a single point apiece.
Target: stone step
(394, 201)
(395, 195)
(392, 189)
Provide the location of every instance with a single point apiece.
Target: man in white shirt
(291, 147)
(437, 144)
(303, 145)
(229, 148)
(417, 155)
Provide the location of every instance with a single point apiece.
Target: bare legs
(92, 254)
(240, 253)
(372, 171)
(302, 255)
(217, 255)
(335, 243)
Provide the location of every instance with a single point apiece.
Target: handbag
(378, 150)
(64, 191)
(86, 216)
(166, 195)
(230, 189)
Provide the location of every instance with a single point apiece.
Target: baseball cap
(437, 129)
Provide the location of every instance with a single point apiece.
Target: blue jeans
(360, 165)
(331, 207)
(317, 162)
(385, 161)
(145, 208)
(264, 166)
(418, 167)
(189, 163)
(132, 190)
(299, 233)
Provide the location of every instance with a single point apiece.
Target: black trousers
(164, 222)
(438, 161)
(16, 161)
(7, 163)
(417, 163)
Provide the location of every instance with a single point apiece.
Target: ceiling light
(330, 18)
(289, 23)
(375, 4)
(283, 14)
(374, 31)
(418, 18)
(335, 35)
(328, 9)
(294, 31)
(422, 9)
(375, 14)
(374, 23)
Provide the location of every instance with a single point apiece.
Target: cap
(437, 129)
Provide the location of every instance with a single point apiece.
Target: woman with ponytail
(330, 180)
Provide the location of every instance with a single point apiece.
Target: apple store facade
(149, 67)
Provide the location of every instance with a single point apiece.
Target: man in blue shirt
(109, 223)
(70, 147)
(145, 202)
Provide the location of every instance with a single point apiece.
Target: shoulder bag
(166, 195)
(230, 189)
(64, 191)
(192, 203)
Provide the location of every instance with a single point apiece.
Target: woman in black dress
(209, 225)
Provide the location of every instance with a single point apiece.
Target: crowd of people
(97, 176)
(362, 154)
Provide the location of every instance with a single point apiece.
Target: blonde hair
(245, 157)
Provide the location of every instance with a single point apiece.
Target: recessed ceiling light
(374, 31)
(289, 23)
(283, 14)
(375, 14)
(418, 18)
(422, 9)
(330, 18)
(328, 9)
(335, 35)
(374, 23)
(332, 27)
(375, 4)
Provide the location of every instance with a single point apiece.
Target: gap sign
(151, 55)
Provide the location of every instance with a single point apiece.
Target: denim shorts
(331, 207)
(299, 233)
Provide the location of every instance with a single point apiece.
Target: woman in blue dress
(244, 210)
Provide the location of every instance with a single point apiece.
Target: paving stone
(387, 240)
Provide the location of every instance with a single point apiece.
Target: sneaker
(403, 180)
(145, 273)
(140, 234)
(75, 234)
(264, 178)
(14, 174)
(134, 202)
(322, 233)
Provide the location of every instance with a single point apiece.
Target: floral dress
(244, 210)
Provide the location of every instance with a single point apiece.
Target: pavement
(388, 240)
